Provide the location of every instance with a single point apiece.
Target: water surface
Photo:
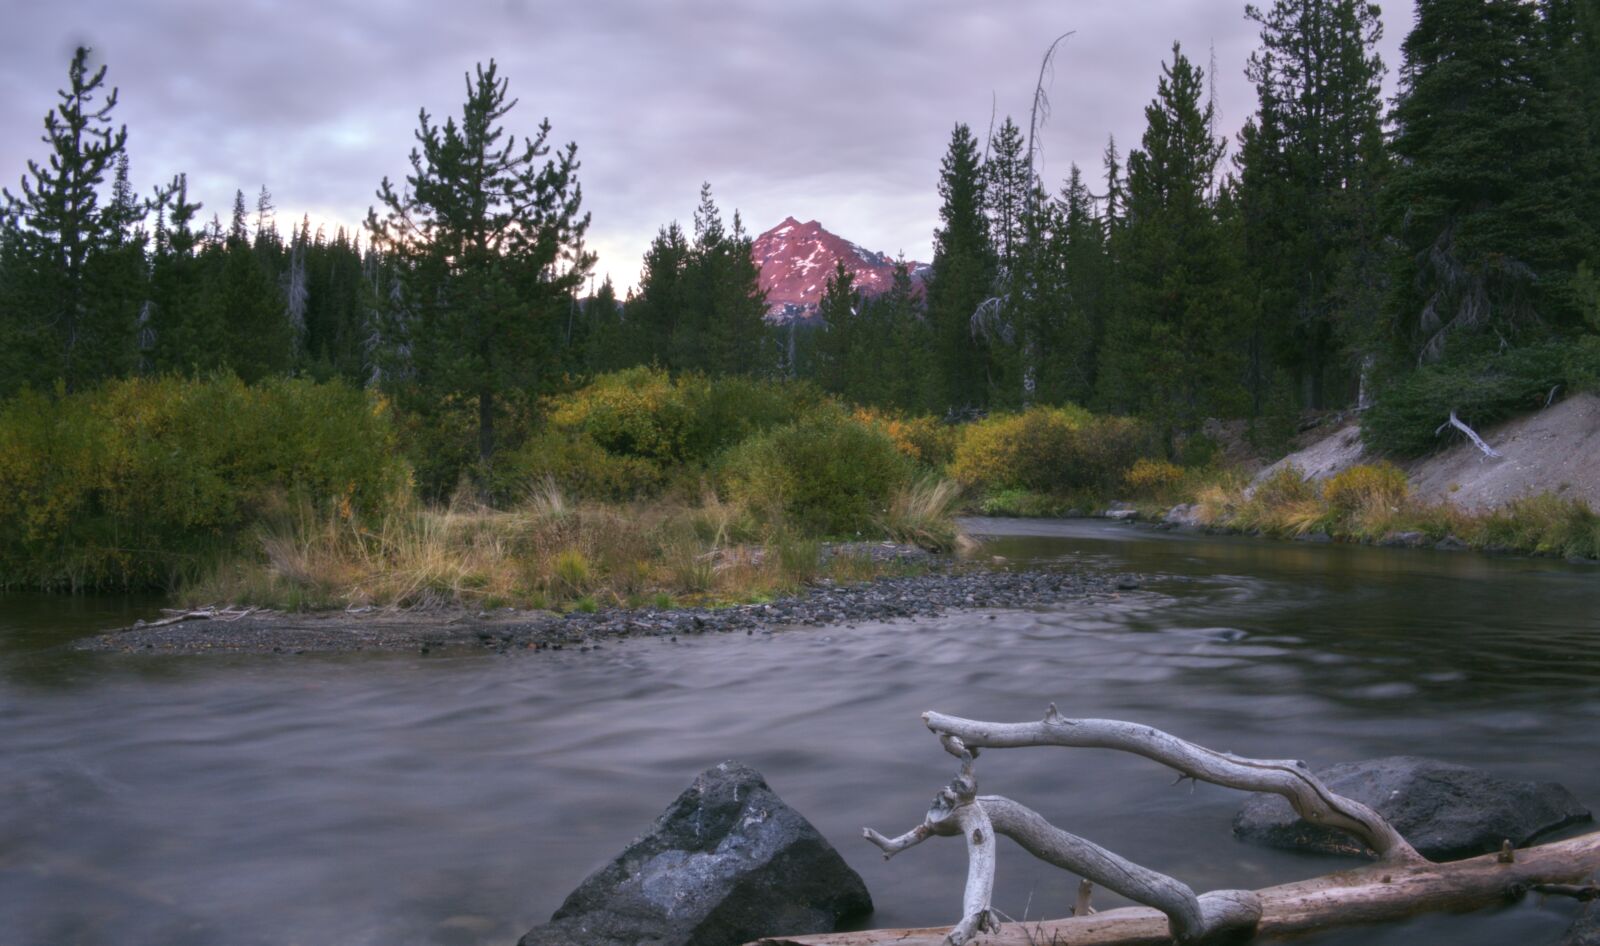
(384, 799)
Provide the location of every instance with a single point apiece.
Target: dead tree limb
(1292, 779)
(1472, 435)
(1377, 893)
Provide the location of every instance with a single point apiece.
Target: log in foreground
(1373, 894)
(1401, 884)
(1292, 779)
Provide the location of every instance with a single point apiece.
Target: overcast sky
(821, 109)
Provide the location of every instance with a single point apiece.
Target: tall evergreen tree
(728, 312)
(962, 274)
(839, 311)
(68, 311)
(658, 309)
(1172, 349)
(1486, 195)
(1072, 303)
(606, 339)
(181, 332)
(1310, 162)
(243, 297)
(487, 240)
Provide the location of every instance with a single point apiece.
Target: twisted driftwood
(1402, 883)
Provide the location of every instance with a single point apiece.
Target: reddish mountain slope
(797, 258)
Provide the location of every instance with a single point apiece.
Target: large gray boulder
(726, 863)
(1446, 811)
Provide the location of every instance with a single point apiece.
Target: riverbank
(945, 585)
(1531, 490)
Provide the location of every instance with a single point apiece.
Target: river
(456, 799)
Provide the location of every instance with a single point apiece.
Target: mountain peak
(796, 259)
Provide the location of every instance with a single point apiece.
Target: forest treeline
(1436, 255)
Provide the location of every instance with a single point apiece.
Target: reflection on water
(455, 800)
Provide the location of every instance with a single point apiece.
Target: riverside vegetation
(638, 489)
(440, 415)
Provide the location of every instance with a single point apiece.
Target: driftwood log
(1400, 884)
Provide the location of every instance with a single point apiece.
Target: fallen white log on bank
(1376, 893)
(1401, 884)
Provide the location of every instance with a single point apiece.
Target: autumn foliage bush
(134, 483)
(1050, 450)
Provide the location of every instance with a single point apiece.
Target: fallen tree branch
(1293, 780)
(1376, 893)
(197, 614)
(1472, 435)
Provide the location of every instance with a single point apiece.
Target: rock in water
(727, 862)
(1446, 811)
(1585, 930)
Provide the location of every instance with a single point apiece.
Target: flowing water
(406, 799)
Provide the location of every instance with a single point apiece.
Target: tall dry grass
(546, 552)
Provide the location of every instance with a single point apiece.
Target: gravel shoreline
(948, 587)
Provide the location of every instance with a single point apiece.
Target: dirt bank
(1555, 450)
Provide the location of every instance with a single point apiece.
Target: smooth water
(402, 799)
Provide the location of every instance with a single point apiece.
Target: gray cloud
(830, 110)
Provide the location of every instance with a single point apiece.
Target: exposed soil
(1555, 450)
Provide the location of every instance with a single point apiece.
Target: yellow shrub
(1152, 477)
(927, 440)
(1287, 484)
(1363, 486)
(1049, 450)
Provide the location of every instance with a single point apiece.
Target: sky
(819, 109)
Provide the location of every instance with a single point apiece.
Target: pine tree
(839, 312)
(1310, 163)
(728, 309)
(1116, 197)
(907, 361)
(243, 297)
(700, 306)
(67, 314)
(1486, 195)
(487, 244)
(1008, 184)
(1172, 348)
(962, 275)
(657, 311)
(184, 335)
(608, 348)
(1072, 297)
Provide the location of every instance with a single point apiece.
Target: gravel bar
(946, 588)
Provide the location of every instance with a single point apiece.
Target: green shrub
(826, 474)
(1480, 387)
(1545, 524)
(645, 413)
(1049, 450)
(579, 468)
(135, 483)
